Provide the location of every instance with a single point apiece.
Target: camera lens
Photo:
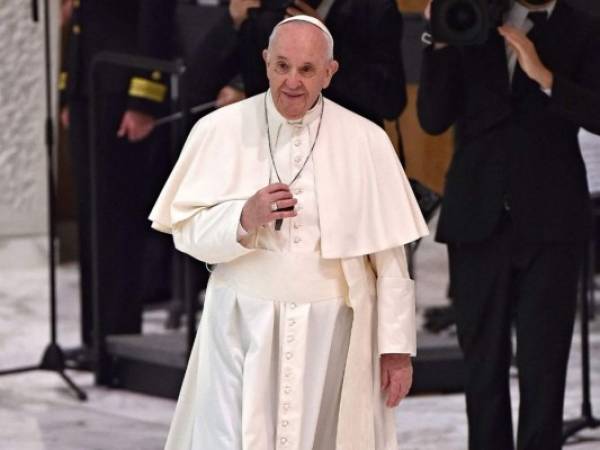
(461, 16)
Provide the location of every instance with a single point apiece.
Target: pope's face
(298, 68)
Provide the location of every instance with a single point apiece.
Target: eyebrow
(283, 58)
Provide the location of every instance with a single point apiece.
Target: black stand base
(54, 361)
(573, 426)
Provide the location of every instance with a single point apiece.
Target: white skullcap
(309, 19)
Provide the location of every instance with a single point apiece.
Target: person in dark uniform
(132, 158)
(516, 208)
(367, 33)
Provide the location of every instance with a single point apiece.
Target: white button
(292, 322)
(283, 440)
(289, 355)
(298, 191)
(286, 406)
(299, 208)
(287, 390)
(290, 339)
(298, 159)
(297, 240)
(296, 225)
(284, 423)
(293, 305)
(297, 142)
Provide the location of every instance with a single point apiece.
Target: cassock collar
(276, 120)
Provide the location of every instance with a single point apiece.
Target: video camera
(465, 22)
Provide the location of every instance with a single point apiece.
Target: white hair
(306, 19)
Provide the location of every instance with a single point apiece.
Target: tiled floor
(38, 412)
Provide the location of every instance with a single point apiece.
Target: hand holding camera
(427, 15)
(238, 10)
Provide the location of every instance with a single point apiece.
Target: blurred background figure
(367, 33)
(133, 159)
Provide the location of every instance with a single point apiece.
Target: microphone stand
(587, 419)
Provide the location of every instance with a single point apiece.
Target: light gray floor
(37, 412)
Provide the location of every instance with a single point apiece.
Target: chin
(292, 111)
(293, 115)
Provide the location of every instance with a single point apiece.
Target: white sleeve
(396, 322)
(212, 234)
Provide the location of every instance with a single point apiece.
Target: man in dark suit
(367, 33)
(132, 159)
(516, 207)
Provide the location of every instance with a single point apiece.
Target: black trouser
(78, 145)
(494, 282)
(129, 178)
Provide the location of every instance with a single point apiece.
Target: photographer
(516, 212)
(367, 33)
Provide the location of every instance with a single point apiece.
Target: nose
(293, 80)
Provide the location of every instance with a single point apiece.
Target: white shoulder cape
(365, 201)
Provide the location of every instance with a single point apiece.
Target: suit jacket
(367, 35)
(516, 150)
(137, 27)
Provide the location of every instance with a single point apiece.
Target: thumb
(123, 127)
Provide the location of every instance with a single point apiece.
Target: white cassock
(294, 320)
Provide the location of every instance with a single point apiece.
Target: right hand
(238, 9)
(135, 125)
(257, 210)
(66, 12)
(229, 95)
(64, 117)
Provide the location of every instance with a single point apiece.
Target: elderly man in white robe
(302, 206)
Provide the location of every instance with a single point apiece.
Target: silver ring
(274, 206)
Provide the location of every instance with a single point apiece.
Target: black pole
(53, 357)
(50, 176)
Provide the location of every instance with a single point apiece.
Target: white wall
(23, 200)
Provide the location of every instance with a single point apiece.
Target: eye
(307, 70)
(282, 67)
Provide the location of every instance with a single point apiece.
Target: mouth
(293, 95)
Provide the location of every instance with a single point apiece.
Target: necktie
(520, 79)
(538, 18)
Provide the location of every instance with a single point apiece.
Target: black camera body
(465, 22)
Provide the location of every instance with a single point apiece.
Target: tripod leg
(19, 370)
(80, 394)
